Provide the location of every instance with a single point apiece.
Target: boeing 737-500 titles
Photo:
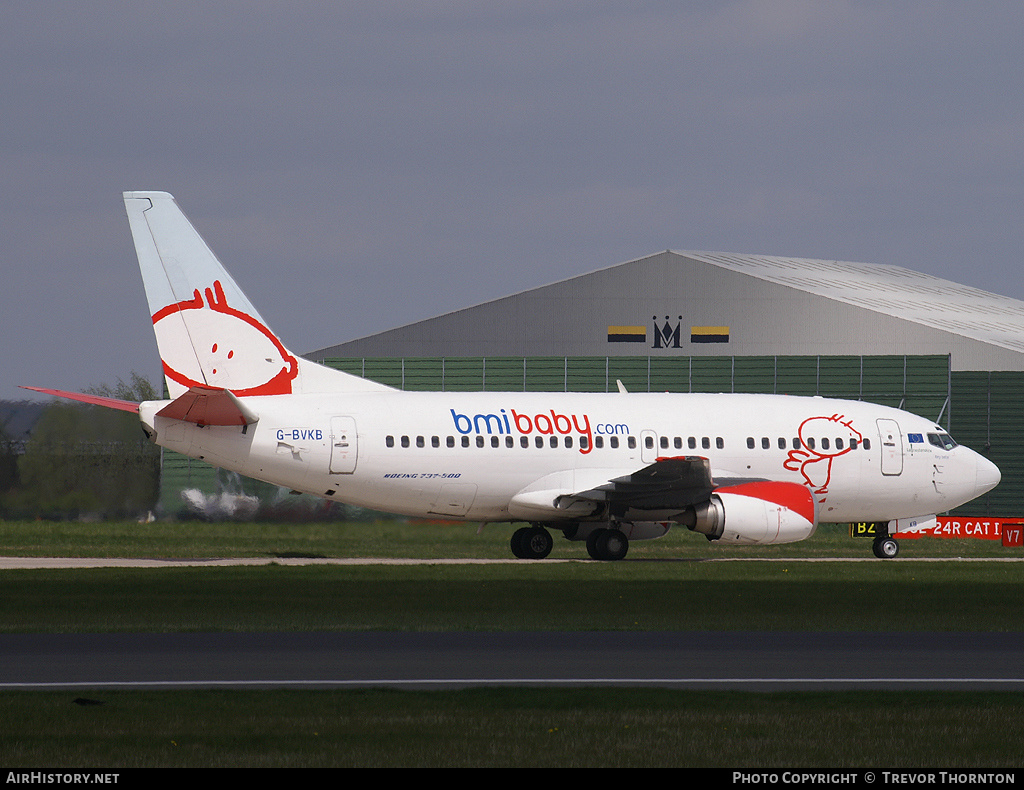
(604, 468)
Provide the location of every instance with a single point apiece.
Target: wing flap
(667, 484)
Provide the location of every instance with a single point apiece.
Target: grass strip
(511, 728)
(415, 539)
(643, 596)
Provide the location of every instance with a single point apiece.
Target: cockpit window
(941, 440)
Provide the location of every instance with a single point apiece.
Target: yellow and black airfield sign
(869, 529)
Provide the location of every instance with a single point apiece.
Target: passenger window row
(677, 443)
(664, 442)
(796, 443)
(614, 442)
(499, 441)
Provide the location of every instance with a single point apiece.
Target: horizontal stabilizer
(209, 406)
(92, 400)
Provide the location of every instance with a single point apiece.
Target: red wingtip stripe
(93, 400)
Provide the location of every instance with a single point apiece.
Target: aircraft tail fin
(208, 333)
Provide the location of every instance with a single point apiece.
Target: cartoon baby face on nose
(836, 425)
(814, 460)
(207, 342)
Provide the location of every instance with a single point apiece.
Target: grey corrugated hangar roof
(748, 305)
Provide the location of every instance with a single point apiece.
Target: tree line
(82, 460)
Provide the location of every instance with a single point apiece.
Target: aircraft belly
(901, 499)
(428, 486)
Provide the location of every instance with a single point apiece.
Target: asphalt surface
(763, 661)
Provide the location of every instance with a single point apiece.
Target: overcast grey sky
(358, 166)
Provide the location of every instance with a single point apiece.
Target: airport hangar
(718, 322)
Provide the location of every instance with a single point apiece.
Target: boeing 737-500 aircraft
(602, 468)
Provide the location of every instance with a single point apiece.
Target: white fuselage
(468, 455)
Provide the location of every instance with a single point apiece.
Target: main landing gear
(608, 544)
(535, 542)
(531, 543)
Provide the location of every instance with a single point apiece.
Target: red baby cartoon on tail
(237, 352)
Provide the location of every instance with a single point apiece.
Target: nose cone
(987, 476)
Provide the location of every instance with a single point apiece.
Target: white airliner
(601, 468)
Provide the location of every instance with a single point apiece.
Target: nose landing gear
(885, 547)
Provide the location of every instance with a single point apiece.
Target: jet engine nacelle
(762, 512)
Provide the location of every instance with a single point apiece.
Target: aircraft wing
(659, 490)
(668, 483)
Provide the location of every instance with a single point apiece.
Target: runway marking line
(43, 563)
(513, 682)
